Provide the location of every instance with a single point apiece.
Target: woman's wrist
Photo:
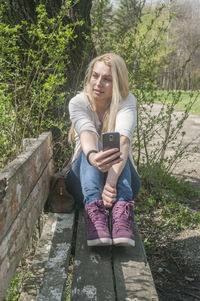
(89, 153)
(112, 181)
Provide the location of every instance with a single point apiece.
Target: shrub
(33, 97)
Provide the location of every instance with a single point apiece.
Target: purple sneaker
(96, 218)
(122, 222)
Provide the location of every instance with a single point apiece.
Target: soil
(175, 262)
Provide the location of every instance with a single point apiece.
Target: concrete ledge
(24, 188)
(50, 264)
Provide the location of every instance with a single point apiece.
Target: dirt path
(176, 266)
(190, 167)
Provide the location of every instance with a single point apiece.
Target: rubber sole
(100, 242)
(123, 241)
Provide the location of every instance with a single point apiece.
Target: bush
(33, 97)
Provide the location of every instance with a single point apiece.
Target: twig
(195, 288)
(192, 287)
(175, 262)
(193, 295)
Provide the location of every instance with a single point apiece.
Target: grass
(165, 205)
(183, 98)
(166, 208)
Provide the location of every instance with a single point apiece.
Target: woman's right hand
(109, 195)
(103, 160)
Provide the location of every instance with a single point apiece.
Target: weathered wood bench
(95, 273)
(99, 273)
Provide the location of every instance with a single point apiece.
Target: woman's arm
(109, 192)
(102, 160)
(89, 140)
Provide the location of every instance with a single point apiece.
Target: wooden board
(133, 276)
(93, 274)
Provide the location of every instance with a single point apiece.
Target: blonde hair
(120, 88)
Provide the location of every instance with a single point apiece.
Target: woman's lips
(98, 91)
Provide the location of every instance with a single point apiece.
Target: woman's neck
(101, 110)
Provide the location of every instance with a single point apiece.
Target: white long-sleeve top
(85, 119)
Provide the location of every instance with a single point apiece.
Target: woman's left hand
(104, 160)
(109, 195)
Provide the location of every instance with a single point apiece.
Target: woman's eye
(107, 79)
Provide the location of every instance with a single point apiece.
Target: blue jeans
(85, 182)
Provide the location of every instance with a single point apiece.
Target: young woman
(104, 179)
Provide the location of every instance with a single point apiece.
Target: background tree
(18, 11)
(128, 14)
(182, 70)
(102, 24)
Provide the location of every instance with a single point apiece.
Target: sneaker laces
(122, 217)
(97, 213)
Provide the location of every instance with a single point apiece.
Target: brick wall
(24, 188)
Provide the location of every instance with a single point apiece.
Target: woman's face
(101, 82)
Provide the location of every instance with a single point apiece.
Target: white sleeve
(80, 114)
(127, 117)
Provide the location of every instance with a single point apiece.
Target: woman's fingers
(105, 159)
(109, 195)
(106, 155)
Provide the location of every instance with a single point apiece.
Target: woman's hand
(109, 195)
(104, 160)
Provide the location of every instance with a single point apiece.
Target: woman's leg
(122, 212)
(85, 182)
(92, 181)
(128, 184)
(88, 179)
(73, 184)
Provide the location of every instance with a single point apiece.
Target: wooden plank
(50, 264)
(133, 276)
(15, 242)
(92, 275)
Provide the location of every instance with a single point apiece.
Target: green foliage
(128, 15)
(192, 97)
(157, 131)
(101, 18)
(15, 287)
(32, 80)
(173, 199)
(23, 272)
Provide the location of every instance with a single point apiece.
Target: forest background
(45, 48)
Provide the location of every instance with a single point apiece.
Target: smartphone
(111, 140)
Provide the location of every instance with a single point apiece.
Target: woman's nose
(99, 81)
